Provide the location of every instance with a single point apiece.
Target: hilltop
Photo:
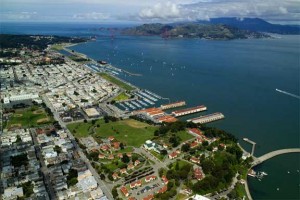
(193, 30)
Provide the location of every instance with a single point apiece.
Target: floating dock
(173, 105)
(188, 111)
(207, 118)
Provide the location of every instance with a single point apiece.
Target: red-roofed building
(150, 178)
(111, 157)
(136, 163)
(124, 191)
(165, 180)
(163, 189)
(173, 155)
(136, 184)
(129, 155)
(120, 155)
(101, 156)
(111, 138)
(199, 140)
(149, 197)
(131, 198)
(116, 145)
(105, 147)
(195, 160)
(115, 176)
(194, 144)
(130, 166)
(123, 171)
(198, 174)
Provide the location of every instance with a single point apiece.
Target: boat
(252, 173)
(102, 62)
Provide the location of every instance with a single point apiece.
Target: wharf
(207, 118)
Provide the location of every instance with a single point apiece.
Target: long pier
(272, 154)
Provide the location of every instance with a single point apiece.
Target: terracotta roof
(163, 189)
(124, 191)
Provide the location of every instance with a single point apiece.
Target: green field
(29, 117)
(184, 136)
(129, 131)
(116, 81)
(121, 97)
(57, 47)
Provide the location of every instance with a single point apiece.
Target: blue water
(237, 78)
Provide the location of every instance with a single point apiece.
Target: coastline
(248, 194)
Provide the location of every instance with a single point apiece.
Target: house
(149, 197)
(104, 147)
(165, 180)
(116, 145)
(194, 145)
(136, 163)
(123, 171)
(120, 155)
(198, 173)
(111, 138)
(163, 189)
(124, 191)
(199, 140)
(195, 131)
(173, 155)
(130, 166)
(101, 156)
(111, 157)
(131, 198)
(136, 184)
(115, 175)
(149, 145)
(150, 178)
(195, 160)
(129, 155)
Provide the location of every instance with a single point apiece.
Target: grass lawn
(240, 189)
(181, 163)
(157, 155)
(184, 135)
(122, 96)
(125, 150)
(181, 196)
(57, 47)
(129, 131)
(116, 81)
(29, 117)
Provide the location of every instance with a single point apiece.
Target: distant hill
(254, 24)
(193, 30)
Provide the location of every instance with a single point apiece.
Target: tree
(164, 152)
(125, 158)
(185, 147)
(121, 145)
(114, 192)
(102, 176)
(57, 149)
(85, 121)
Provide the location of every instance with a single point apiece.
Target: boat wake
(287, 93)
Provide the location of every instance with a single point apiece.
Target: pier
(253, 145)
(267, 156)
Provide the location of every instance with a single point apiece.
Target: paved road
(102, 185)
(44, 168)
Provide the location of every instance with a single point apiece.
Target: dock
(173, 105)
(207, 118)
(188, 111)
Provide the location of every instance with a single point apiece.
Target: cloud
(166, 10)
(284, 10)
(91, 16)
(18, 15)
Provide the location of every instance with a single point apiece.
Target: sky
(144, 11)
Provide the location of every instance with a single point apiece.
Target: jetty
(267, 156)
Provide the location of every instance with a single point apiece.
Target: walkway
(272, 154)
